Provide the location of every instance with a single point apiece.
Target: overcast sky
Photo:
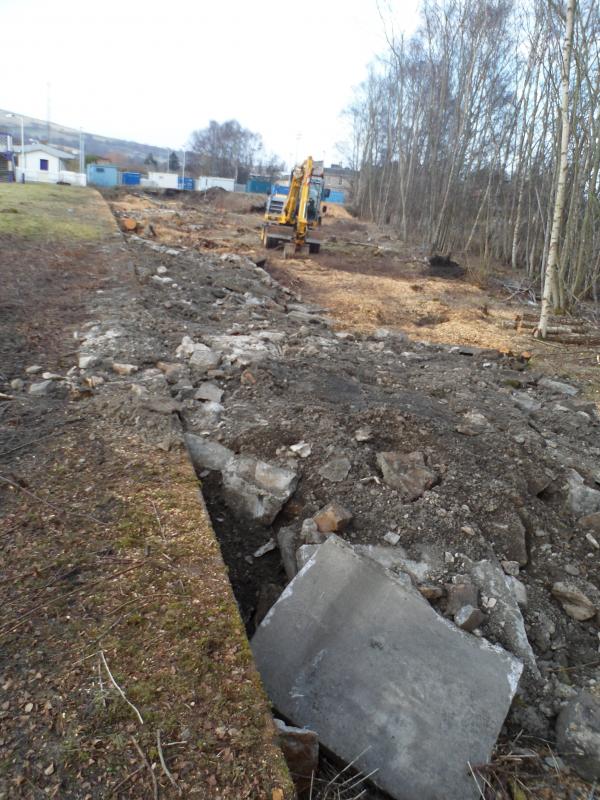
(154, 71)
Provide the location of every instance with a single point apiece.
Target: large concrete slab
(353, 654)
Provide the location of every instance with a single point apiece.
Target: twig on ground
(163, 764)
(148, 765)
(118, 688)
(156, 514)
(99, 666)
(40, 438)
(125, 780)
(58, 510)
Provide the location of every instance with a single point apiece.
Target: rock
(300, 748)
(302, 449)
(87, 361)
(267, 547)
(391, 538)
(41, 388)
(310, 532)
(256, 490)
(510, 540)
(511, 568)
(287, 543)
(578, 735)
(468, 618)
(203, 358)
(17, 384)
(161, 270)
(304, 553)
(404, 669)
(208, 390)
(460, 595)
(158, 404)
(52, 376)
(518, 589)
(558, 387)
(591, 522)
(333, 517)
(583, 500)
(504, 616)
(575, 603)
(395, 559)
(525, 402)
(363, 434)
(406, 472)
(336, 469)
(34, 369)
(186, 348)
(124, 369)
(592, 540)
(206, 454)
(172, 372)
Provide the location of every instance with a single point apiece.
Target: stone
(504, 615)
(304, 553)
(124, 369)
(17, 384)
(41, 388)
(267, 547)
(583, 500)
(391, 538)
(302, 449)
(87, 361)
(287, 541)
(591, 522)
(203, 358)
(592, 540)
(186, 348)
(256, 490)
(468, 618)
(336, 469)
(558, 387)
(310, 532)
(52, 376)
(172, 372)
(511, 568)
(34, 369)
(518, 589)
(510, 539)
(364, 661)
(300, 748)
(406, 472)
(206, 454)
(460, 595)
(578, 735)
(525, 402)
(574, 602)
(208, 390)
(364, 434)
(332, 518)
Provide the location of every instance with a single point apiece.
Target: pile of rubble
(436, 509)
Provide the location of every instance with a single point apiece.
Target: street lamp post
(12, 116)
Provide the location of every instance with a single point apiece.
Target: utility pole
(81, 151)
(183, 170)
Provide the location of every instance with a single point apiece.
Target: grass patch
(45, 211)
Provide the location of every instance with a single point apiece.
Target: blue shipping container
(102, 175)
(335, 197)
(185, 183)
(258, 186)
(131, 178)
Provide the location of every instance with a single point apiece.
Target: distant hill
(119, 151)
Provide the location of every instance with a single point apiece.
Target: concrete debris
(17, 384)
(208, 390)
(578, 735)
(406, 472)
(203, 358)
(34, 369)
(304, 553)
(592, 540)
(583, 500)
(558, 387)
(124, 369)
(302, 449)
(468, 618)
(336, 469)
(256, 490)
(405, 670)
(186, 348)
(575, 603)
(287, 542)
(363, 434)
(504, 616)
(267, 547)
(310, 533)
(206, 454)
(52, 376)
(518, 589)
(511, 568)
(301, 751)
(525, 402)
(332, 518)
(391, 538)
(460, 595)
(85, 361)
(41, 388)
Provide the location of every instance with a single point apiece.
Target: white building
(205, 182)
(46, 164)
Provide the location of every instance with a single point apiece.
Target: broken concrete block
(332, 518)
(504, 615)
(206, 454)
(468, 618)
(300, 748)
(366, 663)
(558, 387)
(310, 533)
(583, 500)
(575, 603)
(578, 735)
(208, 391)
(336, 469)
(203, 358)
(256, 490)
(406, 472)
(304, 553)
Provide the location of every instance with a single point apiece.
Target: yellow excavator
(293, 217)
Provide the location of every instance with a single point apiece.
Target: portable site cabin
(43, 163)
(106, 175)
